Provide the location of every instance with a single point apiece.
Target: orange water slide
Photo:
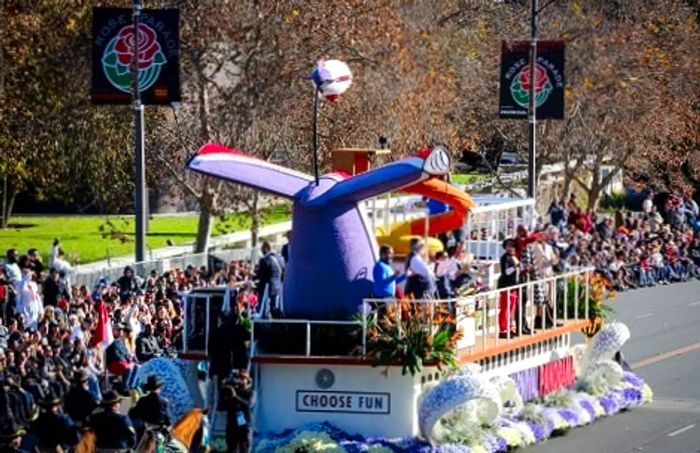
(442, 191)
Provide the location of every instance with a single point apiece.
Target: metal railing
(308, 323)
(179, 256)
(494, 222)
(484, 309)
(556, 295)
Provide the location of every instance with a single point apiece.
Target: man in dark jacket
(230, 349)
(113, 431)
(128, 285)
(152, 408)
(270, 271)
(147, 346)
(54, 428)
(17, 402)
(79, 401)
(53, 289)
(35, 262)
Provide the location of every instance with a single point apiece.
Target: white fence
(181, 256)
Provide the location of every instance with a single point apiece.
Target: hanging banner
(515, 79)
(112, 52)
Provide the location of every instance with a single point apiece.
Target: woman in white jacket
(29, 300)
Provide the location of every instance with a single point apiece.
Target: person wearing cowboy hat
(53, 428)
(11, 438)
(79, 401)
(152, 408)
(113, 431)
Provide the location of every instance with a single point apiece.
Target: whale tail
(240, 168)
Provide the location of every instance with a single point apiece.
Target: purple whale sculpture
(333, 249)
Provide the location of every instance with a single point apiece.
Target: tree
(243, 85)
(53, 143)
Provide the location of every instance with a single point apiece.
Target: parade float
(419, 376)
(338, 375)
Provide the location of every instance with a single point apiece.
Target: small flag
(103, 332)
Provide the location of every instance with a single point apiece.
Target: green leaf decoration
(110, 59)
(159, 59)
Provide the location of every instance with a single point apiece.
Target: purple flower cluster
(588, 407)
(570, 417)
(632, 395)
(632, 379)
(609, 404)
(494, 444)
(538, 431)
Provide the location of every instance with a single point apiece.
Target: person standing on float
(508, 300)
(420, 284)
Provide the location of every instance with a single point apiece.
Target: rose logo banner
(158, 56)
(515, 79)
(117, 58)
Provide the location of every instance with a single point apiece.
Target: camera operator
(235, 399)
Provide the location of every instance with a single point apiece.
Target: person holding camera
(235, 399)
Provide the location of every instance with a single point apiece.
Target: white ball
(333, 78)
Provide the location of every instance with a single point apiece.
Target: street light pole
(314, 127)
(532, 107)
(140, 165)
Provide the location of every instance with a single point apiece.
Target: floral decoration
(412, 335)
(470, 413)
(535, 423)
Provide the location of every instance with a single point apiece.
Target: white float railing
(488, 303)
(490, 224)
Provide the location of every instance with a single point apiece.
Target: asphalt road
(664, 350)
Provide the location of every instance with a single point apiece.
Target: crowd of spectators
(49, 339)
(630, 249)
(654, 246)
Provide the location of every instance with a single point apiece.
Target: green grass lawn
(93, 238)
(468, 178)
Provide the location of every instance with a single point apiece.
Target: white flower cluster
(596, 371)
(466, 398)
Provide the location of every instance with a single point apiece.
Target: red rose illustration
(541, 78)
(148, 45)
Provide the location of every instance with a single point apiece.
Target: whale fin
(238, 167)
(402, 173)
(405, 172)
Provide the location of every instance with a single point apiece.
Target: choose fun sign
(158, 41)
(346, 402)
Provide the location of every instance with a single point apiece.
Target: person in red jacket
(523, 238)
